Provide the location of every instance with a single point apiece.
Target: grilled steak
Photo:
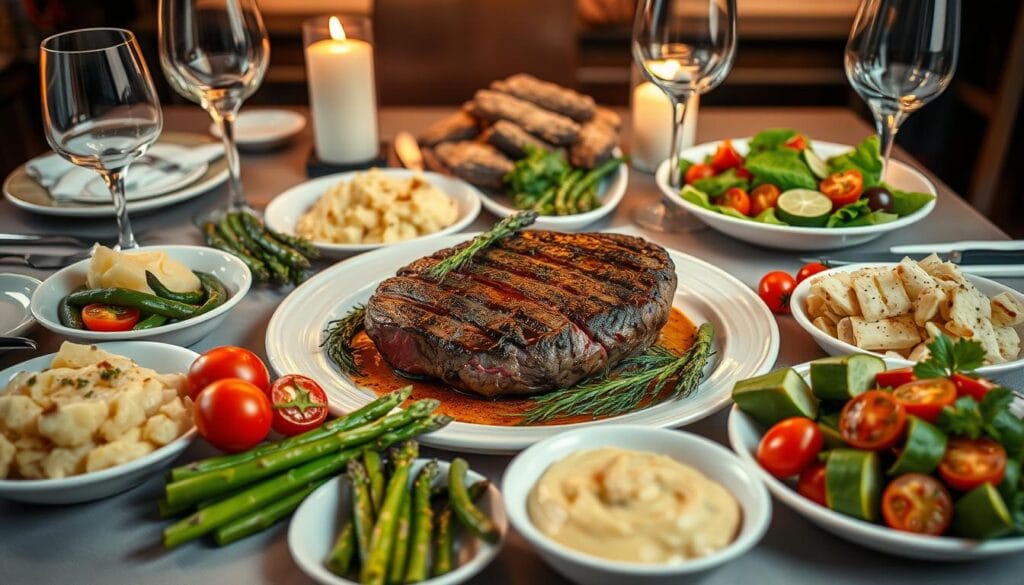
(537, 311)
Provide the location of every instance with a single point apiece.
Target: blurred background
(437, 52)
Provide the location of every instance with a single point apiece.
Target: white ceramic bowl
(284, 211)
(745, 434)
(230, 270)
(611, 191)
(316, 524)
(264, 128)
(899, 175)
(165, 359)
(709, 457)
(15, 293)
(833, 346)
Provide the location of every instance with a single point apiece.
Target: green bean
(374, 571)
(400, 550)
(189, 297)
(375, 470)
(462, 506)
(150, 322)
(70, 316)
(444, 543)
(213, 290)
(124, 297)
(340, 559)
(285, 253)
(545, 204)
(563, 191)
(418, 565)
(595, 175)
(362, 508)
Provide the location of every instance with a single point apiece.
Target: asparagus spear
(418, 565)
(357, 418)
(561, 203)
(362, 508)
(375, 569)
(375, 469)
(400, 550)
(283, 252)
(264, 517)
(340, 559)
(420, 427)
(443, 543)
(468, 514)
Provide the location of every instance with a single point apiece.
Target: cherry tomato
(738, 199)
(969, 463)
(873, 420)
(926, 398)
(811, 484)
(699, 171)
(797, 142)
(763, 197)
(808, 270)
(917, 503)
(99, 317)
(790, 446)
(744, 173)
(894, 378)
(775, 289)
(843, 188)
(227, 362)
(233, 415)
(300, 404)
(725, 157)
(976, 388)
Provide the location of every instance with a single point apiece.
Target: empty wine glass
(100, 109)
(901, 54)
(684, 47)
(215, 53)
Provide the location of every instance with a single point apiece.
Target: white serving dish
(165, 359)
(747, 343)
(316, 524)
(712, 459)
(15, 294)
(284, 211)
(264, 128)
(899, 175)
(833, 346)
(230, 270)
(745, 434)
(611, 191)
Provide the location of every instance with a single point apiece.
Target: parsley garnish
(31, 381)
(82, 383)
(947, 358)
(110, 372)
(89, 394)
(991, 417)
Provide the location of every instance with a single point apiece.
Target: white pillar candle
(342, 97)
(652, 126)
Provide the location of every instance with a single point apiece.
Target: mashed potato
(89, 411)
(374, 208)
(110, 268)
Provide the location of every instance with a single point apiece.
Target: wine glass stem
(888, 125)
(675, 175)
(226, 121)
(115, 182)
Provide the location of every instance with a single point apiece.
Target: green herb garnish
(947, 358)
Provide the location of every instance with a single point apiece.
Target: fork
(45, 261)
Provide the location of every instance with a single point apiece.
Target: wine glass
(684, 47)
(100, 110)
(901, 54)
(215, 53)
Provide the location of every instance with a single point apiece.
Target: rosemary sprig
(338, 339)
(637, 378)
(502, 229)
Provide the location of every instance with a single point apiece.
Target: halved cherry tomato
(873, 420)
(976, 388)
(790, 446)
(917, 503)
(969, 463)
(232, 415)
(698, 171)
(797, 142)
(744, 173)
(300, 404)
(763, 197)
(843, 188)
(808, 270)
(894, 378)
(738, 199)
(811, 484)
(926, 398)
(227, 362)
(725, 157)
(775, 289)
(99, 317)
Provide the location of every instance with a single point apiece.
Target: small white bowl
(230, 270)
(316, 524)
(165, 359)
(264, 128)
(709, 457)
(833, 346)
(745, 435)
(899, 175)
(611, 191)
(284, 211)
(15, 294)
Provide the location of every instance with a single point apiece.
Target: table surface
(117, 540)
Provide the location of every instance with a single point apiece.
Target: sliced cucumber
(922, 451)
(853, 483)
(775, 396)
(804, 208)
(842, 378)
(829, 426)
(981, 514)
(814, 162)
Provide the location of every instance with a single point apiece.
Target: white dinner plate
(15, 297)
(746, 343)
(284, 211)
(899, 175)
(162, 183)
(263, 128)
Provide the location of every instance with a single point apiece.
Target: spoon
(16, 343)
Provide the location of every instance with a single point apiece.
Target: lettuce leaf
(865, 158)
(770, 139)
(784, 168)
(906, 202)
(720, 183)
(768, 216)
(858, 214)
(700, 198)
(684, 165)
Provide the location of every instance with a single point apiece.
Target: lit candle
(652, 126)
(342, 97)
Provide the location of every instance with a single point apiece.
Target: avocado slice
(775, 396)
(981, 513)
(853, 483)
(843, 377)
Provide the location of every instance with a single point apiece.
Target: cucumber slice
(853, 483)
(829, 426)
(922, 451)
(981, 514)
(842, 378)
(775, 396)
(804, 208)
(817, 165)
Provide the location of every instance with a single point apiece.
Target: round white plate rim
(186, 177)
(294, 120)
(841, 231)
(27, 319)
(290, 352)
(314, 188)
(799, 296)
(822, 516)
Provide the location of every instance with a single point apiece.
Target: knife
(408, 151)
(982, 262)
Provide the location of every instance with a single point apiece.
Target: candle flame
(337, 31)
(667, 69)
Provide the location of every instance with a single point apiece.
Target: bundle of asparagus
(270, 255)
(234, 496)
(395, 534)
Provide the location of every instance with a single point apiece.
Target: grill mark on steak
(606, 248)
(638, 282)
(536, 270)
(444, 327)
(621, 293)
